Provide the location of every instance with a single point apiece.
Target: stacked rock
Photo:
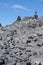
(35, 15)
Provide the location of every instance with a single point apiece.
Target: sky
(11, 9)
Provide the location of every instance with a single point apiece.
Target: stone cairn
(35, 15)
(18, 18)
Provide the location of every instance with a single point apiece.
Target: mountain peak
(22, 41)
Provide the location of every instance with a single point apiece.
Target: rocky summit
(21, 43)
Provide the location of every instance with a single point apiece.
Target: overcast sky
(10, 9)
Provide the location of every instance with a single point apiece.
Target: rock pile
(22, 43)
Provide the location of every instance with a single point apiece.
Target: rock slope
(21, 43)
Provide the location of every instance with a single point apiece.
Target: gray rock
(22, 41)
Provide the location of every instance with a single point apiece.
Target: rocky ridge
(21, 43)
